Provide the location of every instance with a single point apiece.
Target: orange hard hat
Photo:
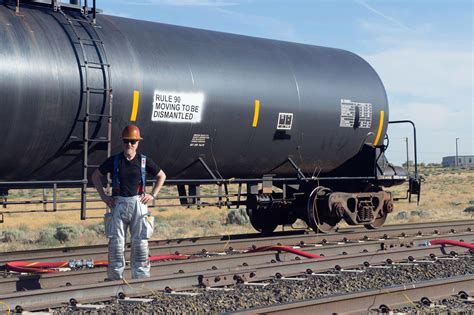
(131, 132)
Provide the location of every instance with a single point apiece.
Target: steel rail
(222, 275)
(32, 282)
(370, 301)
(245, 241)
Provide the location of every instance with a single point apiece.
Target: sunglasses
(132, 142)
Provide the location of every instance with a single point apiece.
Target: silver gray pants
(129, 212)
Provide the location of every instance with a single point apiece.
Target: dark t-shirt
(129, 173)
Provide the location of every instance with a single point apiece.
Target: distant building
(464, 161)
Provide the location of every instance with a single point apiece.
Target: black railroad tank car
(209, 104)
(223, 74)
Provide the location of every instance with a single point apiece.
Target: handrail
(414, 139)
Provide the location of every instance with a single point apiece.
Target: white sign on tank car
(177, 107)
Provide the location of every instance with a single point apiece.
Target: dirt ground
(446, 194)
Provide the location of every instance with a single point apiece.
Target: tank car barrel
(315, 103)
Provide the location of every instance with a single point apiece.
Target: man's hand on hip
(146, 198)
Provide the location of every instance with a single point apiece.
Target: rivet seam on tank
(256, 113)
(136, 98)
(379, 132)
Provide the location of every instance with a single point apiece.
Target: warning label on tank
(285, 121)
(356, 115)
(199, 140)
(177, 107)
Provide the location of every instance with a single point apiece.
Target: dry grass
(445, 195)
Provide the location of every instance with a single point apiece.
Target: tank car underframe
(320, 207)
(321, 202)
(271, 202)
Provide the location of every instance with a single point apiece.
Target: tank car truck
(298, 130)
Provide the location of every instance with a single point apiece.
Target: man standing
(128, 204)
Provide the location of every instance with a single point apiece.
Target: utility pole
(408, 161)
(457, 161)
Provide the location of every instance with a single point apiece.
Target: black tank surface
(243, 104)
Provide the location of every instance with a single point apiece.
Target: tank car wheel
(378, 222)
(261, 222)
(316, 218)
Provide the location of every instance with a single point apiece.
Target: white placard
(285, 121)
(177, 107)
(348, 114)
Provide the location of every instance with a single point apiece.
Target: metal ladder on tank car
(84, 30)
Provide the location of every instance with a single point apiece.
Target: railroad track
(218, 266)
(244, 241)
(349, 250)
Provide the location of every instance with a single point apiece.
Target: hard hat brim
(132, 138)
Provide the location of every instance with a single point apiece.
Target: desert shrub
(402, 215)
(237, 216)
(65, 233)
(420, 213)
(471, 202)
(469, 210)
(12, 235)
(98, 228)
(46, 237)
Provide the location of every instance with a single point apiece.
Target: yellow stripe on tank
(379, 133)
(256, 113)
(136, 98)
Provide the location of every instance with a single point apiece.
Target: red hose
(452, 242)
(52, 267)
(13, 266)
(42, 267)
(285, 249)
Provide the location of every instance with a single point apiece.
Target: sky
(421, 49)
